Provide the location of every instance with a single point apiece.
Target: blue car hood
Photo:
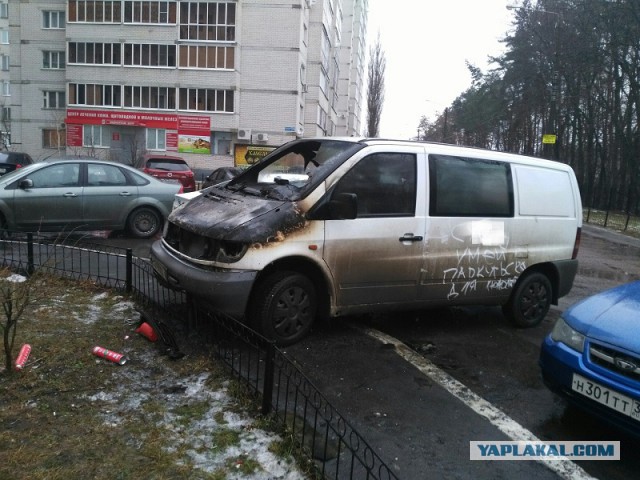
(612, 316)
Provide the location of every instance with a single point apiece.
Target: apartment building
(217, 82)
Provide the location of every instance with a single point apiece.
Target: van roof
(449, 149)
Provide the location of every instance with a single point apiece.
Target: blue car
(592, 356)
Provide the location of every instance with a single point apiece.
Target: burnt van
(327, 227)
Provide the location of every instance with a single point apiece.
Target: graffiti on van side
(487, 263)
(464, 279)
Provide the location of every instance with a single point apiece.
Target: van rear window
(469, 187)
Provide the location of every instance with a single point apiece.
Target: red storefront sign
(176, 124)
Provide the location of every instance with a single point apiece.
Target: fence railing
(617, 220)
(286, 394)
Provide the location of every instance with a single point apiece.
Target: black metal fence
(613, 219)
(321, 432)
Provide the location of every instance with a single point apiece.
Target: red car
(168, 168)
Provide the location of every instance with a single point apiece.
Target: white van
(335, 226)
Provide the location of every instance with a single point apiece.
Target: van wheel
(285, 308)
(530, 301)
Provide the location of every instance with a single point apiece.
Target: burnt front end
(204, 248)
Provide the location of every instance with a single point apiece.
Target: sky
(426, 45)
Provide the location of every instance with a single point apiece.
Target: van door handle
(410, 237)
(69, 194)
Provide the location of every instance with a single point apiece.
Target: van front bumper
(225, 290)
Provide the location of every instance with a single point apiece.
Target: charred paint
(233, 217)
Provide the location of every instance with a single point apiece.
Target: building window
(53, 19)
(149, 55)
(6, 88)
(95, 11)
(4, 10)
(150, 12)
(54, 100)
(206, 56)
(5, 115)
(207, 100)
(4, 37)
(4, 62)
(95, 53)
(210, 21)
(156, 139)
(95, 136)
(95, 94)
(159, 98)
(53, 60)
(53, 138)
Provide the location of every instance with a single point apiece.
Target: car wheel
(285, 307)
(530, 301)
(144, 222)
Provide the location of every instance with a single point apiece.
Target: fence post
(30, 261)
(606, 215)
(129, 272)
(267, 390)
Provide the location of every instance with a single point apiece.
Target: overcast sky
(426, 44)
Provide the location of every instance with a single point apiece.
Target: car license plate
(605, 396)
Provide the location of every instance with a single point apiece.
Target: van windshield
(295, 169)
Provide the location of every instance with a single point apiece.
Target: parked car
(183, 198)
(592, 356)
(166, 167)
(10, 161)
(337, 226)
(84, 194)
(220, 175)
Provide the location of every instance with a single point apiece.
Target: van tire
(144, 222)
(286, 305)
(530, 301)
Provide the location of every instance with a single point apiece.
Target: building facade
(217, 82)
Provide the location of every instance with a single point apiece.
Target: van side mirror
(25, 184)
(342, 206)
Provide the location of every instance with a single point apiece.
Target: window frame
(468, 186)
(376, 198)
(53, 133)
(53, 20)
(216, 24)
(156, 139)
(53, 98)
(92, 132)
(50, 55)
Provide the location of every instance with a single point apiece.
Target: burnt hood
(236, 217)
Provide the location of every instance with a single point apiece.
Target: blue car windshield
(294, 170)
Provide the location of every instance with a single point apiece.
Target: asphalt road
(418, 385)
(420, 427)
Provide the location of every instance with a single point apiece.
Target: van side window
(384, 183)
(469, 187)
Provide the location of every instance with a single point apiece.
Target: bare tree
(375, 89)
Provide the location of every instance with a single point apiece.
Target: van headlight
(229, 252)
(562, 332)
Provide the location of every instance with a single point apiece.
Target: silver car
(84, 194)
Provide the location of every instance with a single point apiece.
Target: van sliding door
(469, 254)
